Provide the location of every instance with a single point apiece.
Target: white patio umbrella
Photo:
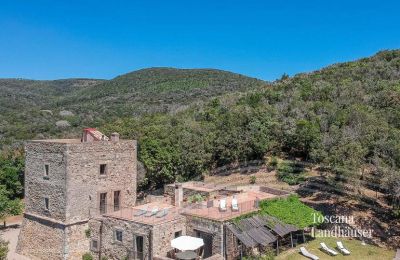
(185, 243)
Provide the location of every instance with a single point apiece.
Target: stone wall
(38, 186)
(103, 230)
(169, 190)
(41, 239)
(156, 239)
(84, 182)
(211, 227)
(164, 233)
(76, 241)
(232, 246)
(73, 185)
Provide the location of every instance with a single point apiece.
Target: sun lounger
(152, 212)
(342, 249)
(327, 249)
(222, 205)
(162, 213)
(139, 212)
(304, 252)
(235, 206)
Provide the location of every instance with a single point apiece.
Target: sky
(263, 39)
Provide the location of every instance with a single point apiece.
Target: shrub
(291, 173)
(253, 179)
(273, 162)
(195, 198)
(3, 249)
(87, 256)
(396, 213)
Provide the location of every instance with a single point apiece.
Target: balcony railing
(154, 215)
(205, 209)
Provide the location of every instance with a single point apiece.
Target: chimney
(114, 137)
(178, 194)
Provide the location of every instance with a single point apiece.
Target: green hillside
(156, 90)
(31, 108)
(345, 117)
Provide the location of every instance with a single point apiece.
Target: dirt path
(11, 234)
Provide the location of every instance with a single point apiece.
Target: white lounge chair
(162, 213)
(327, 249)
(222, 204)
(342, 249)
(140, 212)
(304, 252)
(235, 206)
(152, 212)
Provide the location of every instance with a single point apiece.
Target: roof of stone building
(153, 213)
(62, 141)
(96, 134)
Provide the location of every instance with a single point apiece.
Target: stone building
(136, 233)
(80, 197)
(66, 182)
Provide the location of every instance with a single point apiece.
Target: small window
(46, 171)
(117, 195)
(95, 245)
(46, 203)
(118, 235)
(103, 169)
(178, 234)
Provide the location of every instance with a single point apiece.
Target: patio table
(186, 255)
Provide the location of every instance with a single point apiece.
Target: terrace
(150, 214)
(232, 206)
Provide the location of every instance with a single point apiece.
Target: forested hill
(43, 109)
(157, 90)
(345, 117)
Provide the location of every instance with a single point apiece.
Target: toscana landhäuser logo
(340, 226)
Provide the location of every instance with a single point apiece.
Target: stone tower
(69, 181)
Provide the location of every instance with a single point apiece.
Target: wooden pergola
(261, 230)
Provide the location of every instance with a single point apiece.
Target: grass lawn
(357, 250)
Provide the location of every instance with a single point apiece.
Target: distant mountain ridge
(94, 101)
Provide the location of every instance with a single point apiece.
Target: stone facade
(156, 238)
(163, 234)
(169, 191)
(37, 235)
(62, 191)
(66, 179)
(232, 245)
(213, 228)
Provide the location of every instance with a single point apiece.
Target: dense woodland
(344, 118)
